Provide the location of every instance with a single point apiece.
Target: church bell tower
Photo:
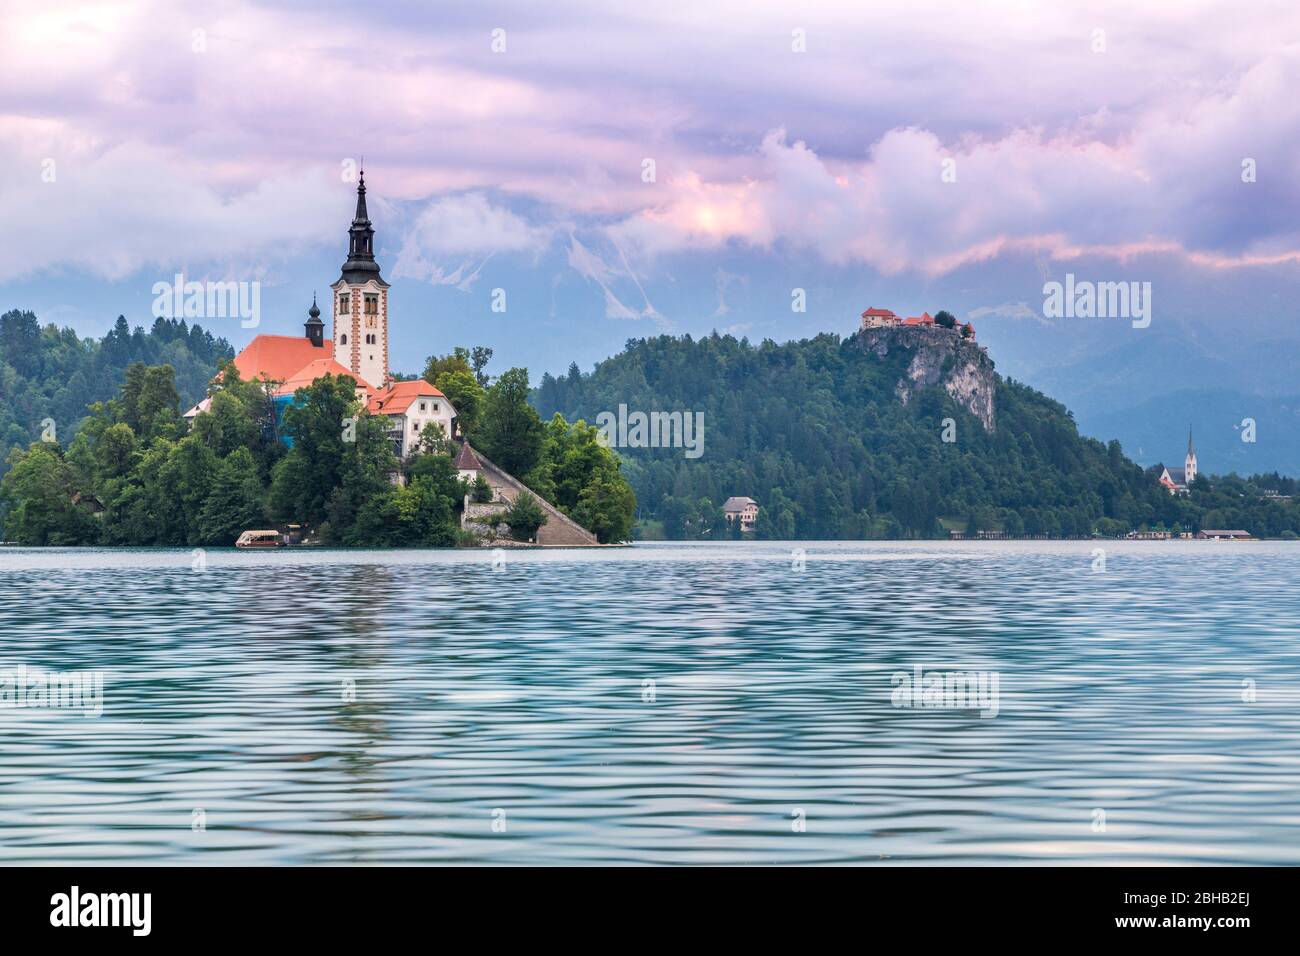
(361, 303)
(1189, 464)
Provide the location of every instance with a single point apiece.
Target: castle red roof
(879, 313)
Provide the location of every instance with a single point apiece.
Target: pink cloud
(1057, 148)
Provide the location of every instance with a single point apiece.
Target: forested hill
(48, 372)
(817, 432)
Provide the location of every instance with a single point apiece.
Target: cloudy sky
(794, 145)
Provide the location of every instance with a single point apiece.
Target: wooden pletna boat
(260, 539)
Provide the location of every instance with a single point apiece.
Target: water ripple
(658, 704)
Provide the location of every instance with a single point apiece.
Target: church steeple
(360, 311)
(361, 265)
(314, 326)
(362, 215)
(1189, 464)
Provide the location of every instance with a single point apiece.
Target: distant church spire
(1190, 450)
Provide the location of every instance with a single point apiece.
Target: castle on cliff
(875, 318)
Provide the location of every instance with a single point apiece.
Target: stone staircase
(560, 531)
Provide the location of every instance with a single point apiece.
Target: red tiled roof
(398, 397)
(925, 318)
(882, 313)
(466, 460)
(314, 370)
(277, 357)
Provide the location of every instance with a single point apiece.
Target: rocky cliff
(939, 356)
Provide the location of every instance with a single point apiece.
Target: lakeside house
(1207, 534)
(744, 510)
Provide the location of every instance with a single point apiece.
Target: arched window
(343, 339)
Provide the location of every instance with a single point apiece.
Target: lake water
(668, 703)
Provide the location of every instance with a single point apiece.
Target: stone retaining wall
(559, 531)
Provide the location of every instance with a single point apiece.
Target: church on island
(358, 347)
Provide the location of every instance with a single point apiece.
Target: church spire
(1190, 450)
(314, 326)
(362, 215)
(361, 265)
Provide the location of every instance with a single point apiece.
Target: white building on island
(358, 347)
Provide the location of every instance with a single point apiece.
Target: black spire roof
(314, 326)
(361, 265)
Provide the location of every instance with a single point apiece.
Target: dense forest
(51, 373)
(133, 471)
(814, 431)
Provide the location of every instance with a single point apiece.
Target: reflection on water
(658, 704)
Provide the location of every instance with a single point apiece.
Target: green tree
(479, 356)
(36, 495)
(365, 471)
(51, 373)
(227, 425)
(466, 396)
(606, 507)
(457, 361)
(150, 402)
(114, 452)
(183, 484)
(235, 502)
(510, 432)
(524, 517)
(329, 437)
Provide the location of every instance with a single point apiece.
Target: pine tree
(235, 503)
